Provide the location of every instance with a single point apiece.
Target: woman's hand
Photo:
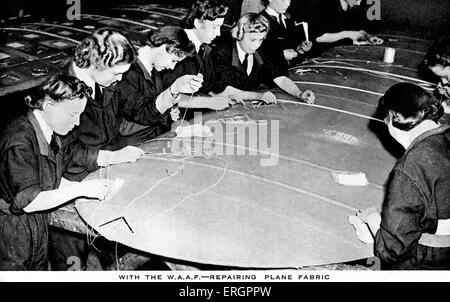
(187, 84)
(269, 98)
(308, 96)
(289, 54)
(366, 214)
(95, 188)
(175, 113)
(126, 154)
(304, 47)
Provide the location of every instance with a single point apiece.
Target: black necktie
(245, 62)
(280, 20)
(98, 94)
(54, 146)
(201, 52)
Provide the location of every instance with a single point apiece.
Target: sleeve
(78, 159)
(136, 105)
(226, 74)
(23, 176)
(271, 70)
(401, 219)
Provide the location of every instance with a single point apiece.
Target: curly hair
(59, 88)
(439, 53)
(249, 23)
(104, 49)
(204, 10)
(413, 103)
(175, 38)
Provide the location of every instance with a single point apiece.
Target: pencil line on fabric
(382, 46)
(332, 109)
(339, 86)
(370, 71)
(323, 60)
(40, 32)
(119, 19)
(404, 37)
(195, 194)
(149, 11)
(278, 183)
(60, 26)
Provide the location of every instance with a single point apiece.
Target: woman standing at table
(413, 231)
(31, 167)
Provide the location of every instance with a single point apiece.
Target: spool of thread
(389, 55)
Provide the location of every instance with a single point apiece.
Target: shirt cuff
(103, 158)
(164, 101)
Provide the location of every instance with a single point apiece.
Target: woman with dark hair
(202, 24)
(100, 62)
(437, 60)
(31, 167)
(286, 39)
(142, 101)
(413, 231)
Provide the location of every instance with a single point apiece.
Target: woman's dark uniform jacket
(191, 65)
(137, 93)
(100, 122)
(418, 195)
(280, 38)
(28, 166)
(230, 72)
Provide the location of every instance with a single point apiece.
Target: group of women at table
(115, 95)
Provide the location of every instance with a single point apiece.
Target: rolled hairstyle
(204, 10)
(104, 49)
(59, 88)
(175, 38)
(439, 53)
(249, 23)
(413, 103)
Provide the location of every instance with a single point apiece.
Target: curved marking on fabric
(371, 71)
(381, 46)
(339, 86)
(119, 19)
(346, 99)
(276, 183)
(404, 37)
(382, 64)
(148, 11)
(287, 158)
(41, 33)
(60, 26)
(332, 109)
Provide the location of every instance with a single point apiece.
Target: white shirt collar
(271, 12)
(145, 60)
(345, 5)
(194, 39)
(82, 75)
(241, 52)
(48, 132)
(241, 55)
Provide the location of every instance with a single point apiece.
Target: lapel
(44, 146)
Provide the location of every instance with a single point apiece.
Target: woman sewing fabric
(413, 231)
(31, 167)
(141, 99)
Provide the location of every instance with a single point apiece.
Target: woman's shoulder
(18, 132)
